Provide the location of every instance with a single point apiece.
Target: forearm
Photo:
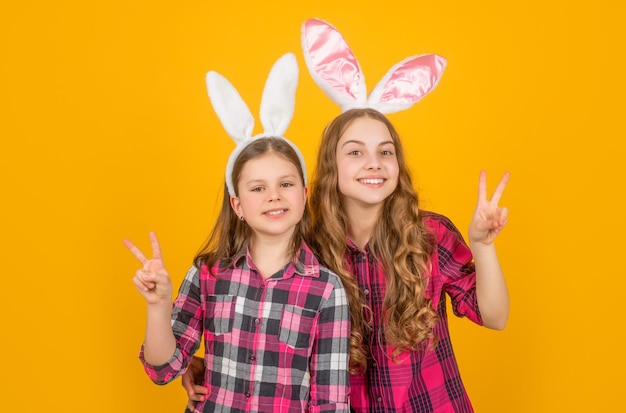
(329, 361)
(491, 290)
(159, 343)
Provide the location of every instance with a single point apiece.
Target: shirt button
(379, 399)
(247, 394)
(252, 357)
(374, 365)
(366, 292)
(257, 321)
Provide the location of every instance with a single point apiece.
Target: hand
(152, 280)
(192, 380)
(489, 218)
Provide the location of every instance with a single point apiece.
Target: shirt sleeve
(456, 265)
(329, 359)
(187, 326)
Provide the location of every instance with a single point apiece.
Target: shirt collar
(306, 263)
(353, 248)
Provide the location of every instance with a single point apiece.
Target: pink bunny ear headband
(335, 69)
(277, 106)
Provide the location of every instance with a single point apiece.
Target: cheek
(343, 171)
(394, 170)
(341, 183)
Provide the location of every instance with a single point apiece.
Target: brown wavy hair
(230, 235)
(400, 242)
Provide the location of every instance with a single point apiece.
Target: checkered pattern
(275, 345)
(423, 381)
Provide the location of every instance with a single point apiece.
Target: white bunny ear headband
(277, 105)
(335, 69)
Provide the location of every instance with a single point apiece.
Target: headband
(277, 106)
(337, 72)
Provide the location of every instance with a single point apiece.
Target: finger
(502, 216)
(497, 194)
(135, 251)
(200, 390)
(141, 285)
(482, 185)
(156, 248)
(197, 397)
(146, 278)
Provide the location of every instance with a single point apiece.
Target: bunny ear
(332, 64)
(278, 101)
(229, 107)
(406, 83)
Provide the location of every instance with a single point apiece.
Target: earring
(241, 218)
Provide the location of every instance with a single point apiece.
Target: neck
(270, 254)
(361, 223)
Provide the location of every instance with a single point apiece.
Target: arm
(192, 382)
(329, 359)
(173, 332)
(488, 220)
(154, 284)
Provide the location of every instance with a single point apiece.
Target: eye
(257, 189)
(286, 184)
(387, 152)
(355, 152)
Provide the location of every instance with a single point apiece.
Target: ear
(332, 64)
(279, 94)
(236, 205)
(229, 107)
(407, 82)
(306, 193)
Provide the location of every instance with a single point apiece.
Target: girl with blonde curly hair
(398, 263)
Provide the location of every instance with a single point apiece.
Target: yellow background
(107, 133)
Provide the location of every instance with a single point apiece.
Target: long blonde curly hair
(400, 242)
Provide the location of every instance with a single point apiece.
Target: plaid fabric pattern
(425, 380)
(275, 345)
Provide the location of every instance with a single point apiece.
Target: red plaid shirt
(275, 345)
(427, 380)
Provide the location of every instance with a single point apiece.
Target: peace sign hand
(152, 280)
(489, 218)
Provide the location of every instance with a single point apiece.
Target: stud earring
(241, 218)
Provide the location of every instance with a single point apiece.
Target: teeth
(276, 212)
(371, 181)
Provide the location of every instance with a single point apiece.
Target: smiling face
(367, 166)
(271, 196)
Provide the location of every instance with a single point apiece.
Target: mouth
(371, 181)
(276, 212)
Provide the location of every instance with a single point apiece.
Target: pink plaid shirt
(275, 345)
(427, 380)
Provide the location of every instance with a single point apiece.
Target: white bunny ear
(406, 83)
(230, 107)
(279, 94)
(332, 64)
(277, 107)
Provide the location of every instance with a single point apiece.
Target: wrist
(480, 248)
(163, 307)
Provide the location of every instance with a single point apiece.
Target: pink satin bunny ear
(332, 64)
(406, 83)
(336, 70)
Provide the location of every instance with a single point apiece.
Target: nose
(372, 162)
(274, 194)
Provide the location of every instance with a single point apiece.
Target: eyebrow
(363, 143)
(280, 178)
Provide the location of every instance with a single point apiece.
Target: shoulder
(435, 219)
(329, 276)
(440, 225)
